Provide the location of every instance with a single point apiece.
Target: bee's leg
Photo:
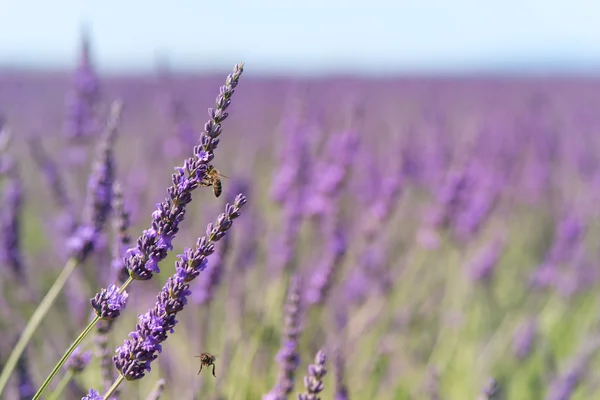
(214, 371)
(201, 365)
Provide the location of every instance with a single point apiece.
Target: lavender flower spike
(287, 356)
(79, 360)
(109, 302)
(99, 195)
(314, 380)
(142, 260)
(93, 395)
(133, 359)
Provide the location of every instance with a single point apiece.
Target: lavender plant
(313, 382)
(152, 247)
(134, 358)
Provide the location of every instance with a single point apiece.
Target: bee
(207, 359)
(213, 178)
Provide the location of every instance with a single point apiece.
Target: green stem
(61, 385)
(35, 321)
(114, 387)
(65, 357)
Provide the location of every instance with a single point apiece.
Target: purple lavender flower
(341, 391)
(99, 196)
(67, 221)
(93, 395)
(288, 357)
(78, 360)
(133, 359)
(157, 391)
(523, 339)
(324, 275)
(152, 247)
(335, 167)
(26, 388)
(121, 222)
(10, 253)
(109, 302)
(294, 165)
(563, 386)
(313, 382)
(481, 267)
(81, 122)
(491, 391)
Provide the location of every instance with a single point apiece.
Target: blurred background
(422, 183)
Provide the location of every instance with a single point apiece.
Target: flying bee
(207, 359)
(213, 178)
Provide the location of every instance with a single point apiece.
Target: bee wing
(223, 176)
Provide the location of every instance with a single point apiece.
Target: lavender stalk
(152, 247)
(313, 382)
(133, 359)
(288, 356)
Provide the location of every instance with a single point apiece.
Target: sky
(308, 36)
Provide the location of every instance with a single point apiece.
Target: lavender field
(434, 238)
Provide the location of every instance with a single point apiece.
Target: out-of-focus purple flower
(26, 388)
(100, 185)
(157, 390)
(380, 211)
(432, 384)
(121, 222)
(294, 164)
(99, 195)
(134, 357)
(313, 382)
(568, 238)
(67, 221)
(563, 386)
(288, 357)
(78, 360)
(481, 267)
(486, 186)
(93, 395)
(491, 390)
(324, 275)
(334, 169)
(10, 253)
(523, 338)
(109, 302)
(81, 114)
(341, 391)
(281, 256)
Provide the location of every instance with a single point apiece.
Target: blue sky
(305, 36)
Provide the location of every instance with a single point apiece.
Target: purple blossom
(327, 268)
(341, 391)
(481, 267)
(491, 391)
(67, 221)
(93, 395)
(313, 382)
(288, 357)
(121, 223)
(81, 120)
(10, 253)
(152, 247)
(99, 195)
(523, 339)
(109, 302)
(78, 360)
(134, 357)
